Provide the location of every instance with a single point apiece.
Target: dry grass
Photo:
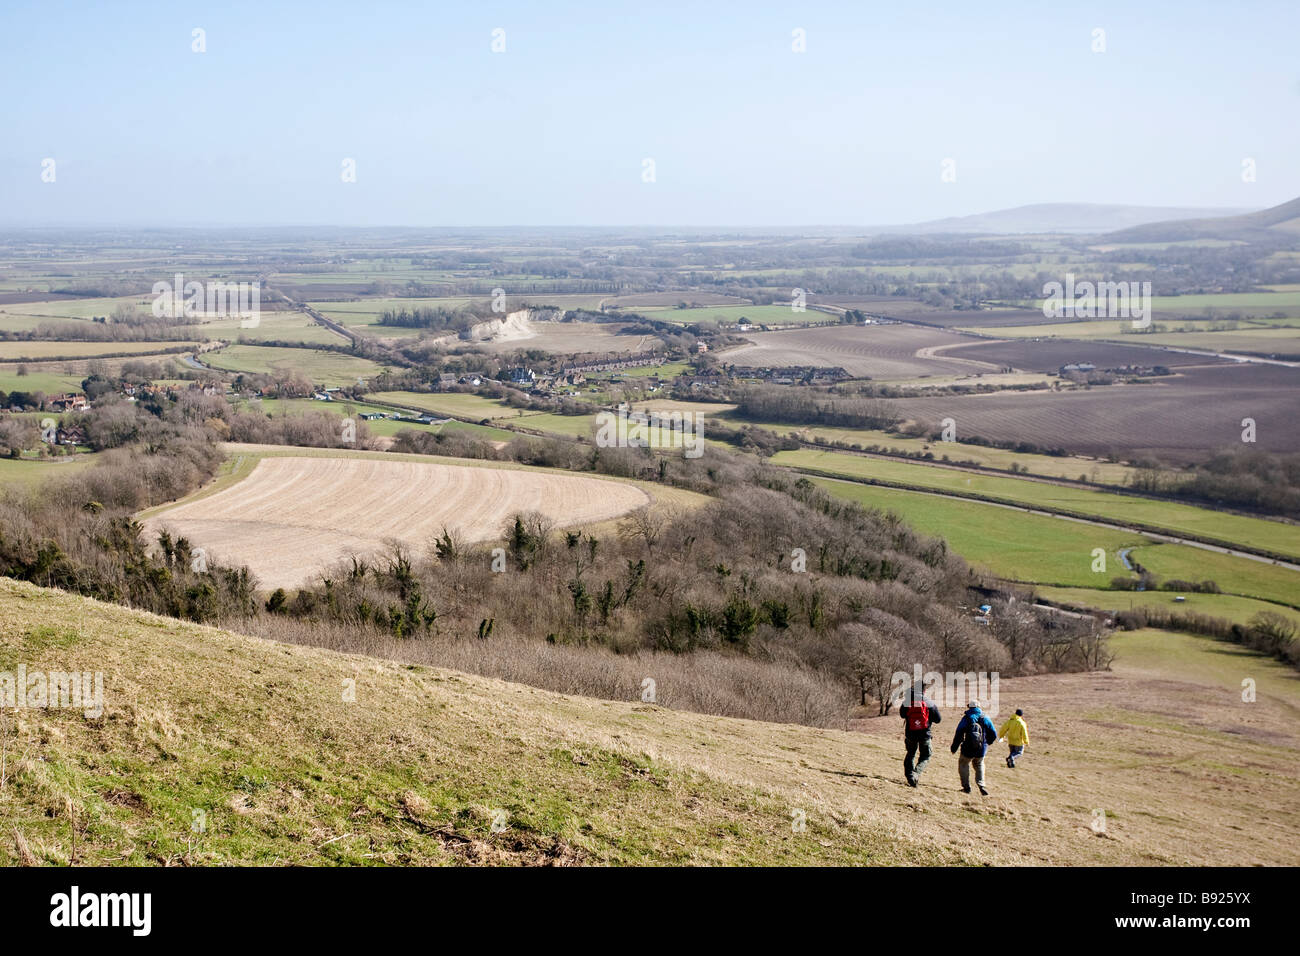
(260, 738)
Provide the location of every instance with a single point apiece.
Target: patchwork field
(293, 516)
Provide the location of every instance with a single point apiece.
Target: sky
(109, 115)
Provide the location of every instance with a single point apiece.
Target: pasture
(321, 367)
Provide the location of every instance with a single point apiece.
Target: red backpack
(918, 716)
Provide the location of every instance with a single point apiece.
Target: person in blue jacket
(974, 734)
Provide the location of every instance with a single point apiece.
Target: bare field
(876, 351)
(977, 318)
(293, 516)
(646, 300)
(1050, 355)
(876, 304)
(574, 337)
(1179, 419)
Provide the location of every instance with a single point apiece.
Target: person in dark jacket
(974, 734)
(918, 716)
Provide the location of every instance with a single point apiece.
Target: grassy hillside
(259, 743)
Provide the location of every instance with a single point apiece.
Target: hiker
(974, 734)
(918, 717)
(1016, 734)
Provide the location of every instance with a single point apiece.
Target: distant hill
(1282, 220)
(1079, 218)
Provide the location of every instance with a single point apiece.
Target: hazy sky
(554, 131)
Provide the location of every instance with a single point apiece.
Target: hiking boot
(911, 780)
(983, 792)
(965, 789)
(1011, 763)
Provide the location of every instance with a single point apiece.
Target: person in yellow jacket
(1016, 733)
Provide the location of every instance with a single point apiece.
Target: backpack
(972, 744)
(918, 716)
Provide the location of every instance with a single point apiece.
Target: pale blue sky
(553, 131)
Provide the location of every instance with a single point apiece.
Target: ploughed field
(1048, 356)
(294, 516)
(876, 351)
(1177, 418)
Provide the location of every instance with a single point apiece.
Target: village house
(71, 402)
(72, 435)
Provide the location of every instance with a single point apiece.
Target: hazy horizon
(554, 132)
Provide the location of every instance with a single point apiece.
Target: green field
(1011, 544)
(1233, 575)
(1247, 303)
(1264, 336)
(1273, 536)
(1228, 606)
(458, 404)
(272, 327)
(323, 368)
(31, 473)
(38, 379)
